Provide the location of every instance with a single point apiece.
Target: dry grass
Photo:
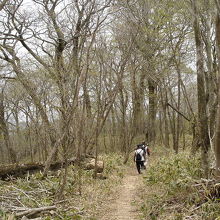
(82, 199)
(175, 191)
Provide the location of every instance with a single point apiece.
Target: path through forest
(125, 206)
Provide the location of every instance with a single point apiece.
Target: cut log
(91, 165)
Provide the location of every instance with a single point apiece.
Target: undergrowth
(83, 194)
(175, 190)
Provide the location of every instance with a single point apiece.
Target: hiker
(139, 157)
(146, 150)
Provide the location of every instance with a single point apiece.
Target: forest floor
(124, 204)
(171, 188)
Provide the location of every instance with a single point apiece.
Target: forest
(83, 82)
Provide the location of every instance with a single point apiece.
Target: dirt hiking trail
(124, 207)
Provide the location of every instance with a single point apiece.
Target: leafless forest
(87, 77)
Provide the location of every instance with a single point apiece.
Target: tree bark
(202, 102)
(4, 128)
(217, 135)
(138, 100)
(152, 111)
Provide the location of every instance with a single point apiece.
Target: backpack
(138, 156)
(148, 151)
(143, 148)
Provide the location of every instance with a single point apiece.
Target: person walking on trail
(139, 158)
(146, 150)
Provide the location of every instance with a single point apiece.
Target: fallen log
(32, 211)
(17, 170)
(20, 170)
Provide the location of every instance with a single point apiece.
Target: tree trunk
(211, 77)
(161, 127)
(217, 135)
(202, 104)
(165, 118)
(4, 128)
(152, 111)
(178, 107)
(137, 100)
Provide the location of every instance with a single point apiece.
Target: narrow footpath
(125, 205)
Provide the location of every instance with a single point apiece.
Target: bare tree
(202, 104)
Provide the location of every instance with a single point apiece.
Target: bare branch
(3, 4)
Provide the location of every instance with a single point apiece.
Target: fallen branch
(24, 193)
(33, 211)
(178, 111)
